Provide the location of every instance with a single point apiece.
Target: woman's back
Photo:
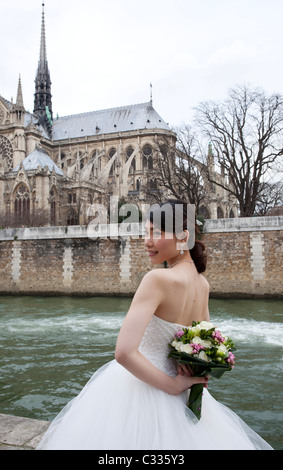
(185, 295)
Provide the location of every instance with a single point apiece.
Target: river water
(51, 346)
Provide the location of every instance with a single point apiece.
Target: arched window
(96, 159)
(144, 163)
(129, 152)
(220, 214)
(203, 212)
(22, 203)
(133, 166)
(72, 218)
(147, 157)
(153, 184)
(72, 198)
(63, 161)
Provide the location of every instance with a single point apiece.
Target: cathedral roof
(124, 119)
(7, 103)
(38, 158)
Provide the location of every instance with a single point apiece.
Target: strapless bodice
(154, 345)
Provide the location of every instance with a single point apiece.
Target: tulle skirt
(117, 411)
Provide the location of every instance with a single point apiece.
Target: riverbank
(245, 259)
(18, 433)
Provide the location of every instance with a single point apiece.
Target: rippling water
(50, 347)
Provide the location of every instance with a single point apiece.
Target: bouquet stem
(195, 399)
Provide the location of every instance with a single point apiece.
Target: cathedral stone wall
(245, 259)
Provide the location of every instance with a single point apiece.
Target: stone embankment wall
(69, 260)
(245, 259)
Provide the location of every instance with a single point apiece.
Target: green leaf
(195, 400)
(200, 367)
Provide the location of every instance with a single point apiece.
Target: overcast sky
(105, 53)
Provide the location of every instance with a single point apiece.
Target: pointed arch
(72, 218)
(204, 212)
(220, 214)
(21, 199)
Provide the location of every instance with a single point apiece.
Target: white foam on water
(253, 331)
(73, 323)
(238, 329)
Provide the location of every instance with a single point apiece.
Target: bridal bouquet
(206, 351)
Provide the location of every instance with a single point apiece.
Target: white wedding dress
(117, 411)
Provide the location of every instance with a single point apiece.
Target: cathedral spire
(18, 108)
(42, 96)
(19, 100)
(43, 56)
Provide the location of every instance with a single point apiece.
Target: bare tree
(180, 172)
(246, 134)
(271, 197)
(35, 218)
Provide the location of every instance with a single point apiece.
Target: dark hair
(198, 252)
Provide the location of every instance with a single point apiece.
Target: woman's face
(161, 246)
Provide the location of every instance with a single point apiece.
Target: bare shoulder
(205, 281)
(155, 276)
(150, 288)
(205, 284)
(154, 280)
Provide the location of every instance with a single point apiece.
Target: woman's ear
(183, 237)
(182, 240)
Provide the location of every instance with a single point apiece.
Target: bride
(138, 400)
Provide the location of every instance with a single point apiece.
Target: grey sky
(105, 54)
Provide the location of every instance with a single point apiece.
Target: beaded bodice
(154, 345)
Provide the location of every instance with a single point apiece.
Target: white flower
(187, 348)
(203, 356)
(205, 325)
(177, 345)
(196, 330)
(203, 342)
(196, 340)
(221, 350)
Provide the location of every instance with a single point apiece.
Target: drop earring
(182, 251)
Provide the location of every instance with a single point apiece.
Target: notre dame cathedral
(53, 169)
